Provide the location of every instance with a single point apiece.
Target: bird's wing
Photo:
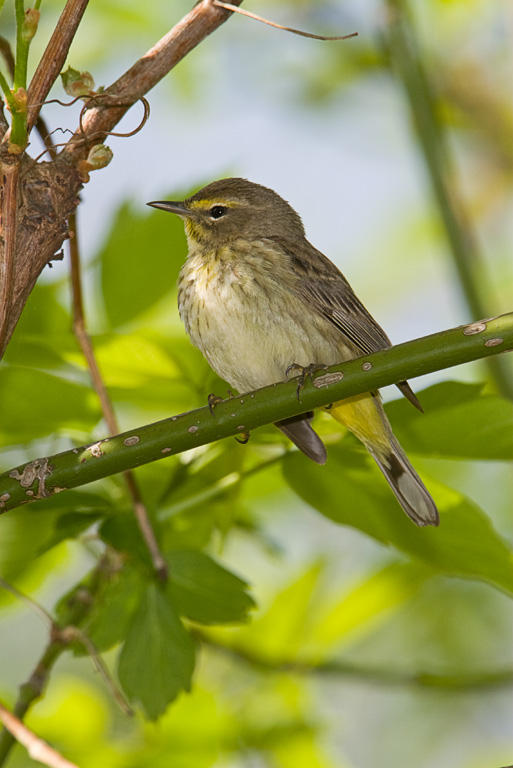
(324, 287)
(321, 284)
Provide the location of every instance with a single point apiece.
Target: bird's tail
(365, 417)
(299, 430)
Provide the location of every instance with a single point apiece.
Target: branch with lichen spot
(46, 476)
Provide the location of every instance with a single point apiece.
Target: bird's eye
(217, 211)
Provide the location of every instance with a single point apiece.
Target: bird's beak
(171, 206)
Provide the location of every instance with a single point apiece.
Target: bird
(258, 300)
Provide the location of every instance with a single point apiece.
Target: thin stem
(68, 632)
(310, 35)
(43, 477)
(404, 51)
(18, 133)
(38, 609)
(41, 127)
(21, 60)
(102, 668)
(54, 57)
(37, 748)
(217, 489)
(84, 340)
(79, 605)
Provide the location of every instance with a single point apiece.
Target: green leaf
(157, 659)
(351, 492)
(113, 609)
(204, 591)
(36, 404)
(140, 262)
(122, 532)
(459, 422)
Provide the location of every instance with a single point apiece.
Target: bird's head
(232, 209)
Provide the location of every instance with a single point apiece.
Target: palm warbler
(256, 298)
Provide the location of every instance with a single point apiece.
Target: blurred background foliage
(316, 625)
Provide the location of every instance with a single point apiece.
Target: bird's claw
(213, 400)
(244, 437)
(304, 373)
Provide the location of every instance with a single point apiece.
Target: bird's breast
(240, 310)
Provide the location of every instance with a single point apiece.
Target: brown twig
(37, 748)
(84, 340)
(54, 57)
(200, 22)
(8, 216)
(230, 7)
(8, 227)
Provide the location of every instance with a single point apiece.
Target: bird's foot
(244, 437)
(303, 373)
(213, 400)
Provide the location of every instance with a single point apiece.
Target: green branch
(20, 69)
(43, 477)
(19, 135)
(404, 53)
(26, 27)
